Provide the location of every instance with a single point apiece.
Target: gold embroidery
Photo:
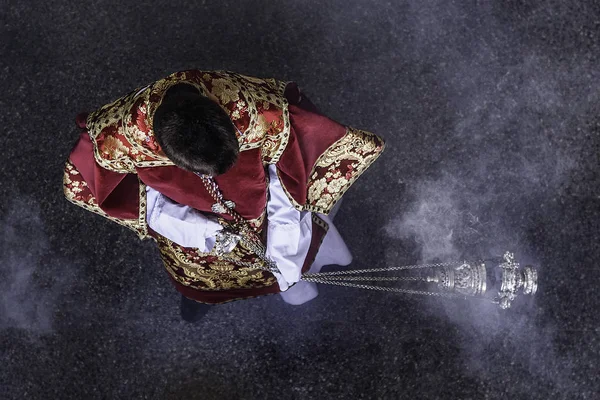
(77, 192)
(105, 129)
(143, 207)
(113, 148)
(207, 271)
(244, 98)
(339, 166)
(123, 140)
(122, 130)
(224, 90)
(321, 223)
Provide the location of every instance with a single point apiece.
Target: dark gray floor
(491, 114)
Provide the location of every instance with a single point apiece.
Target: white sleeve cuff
(288, 238)
(182, 224)
(289, 233)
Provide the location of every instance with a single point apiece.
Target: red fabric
(116, 194)
(223, 296)
(244, 183)
(311, 133)
(318, 234)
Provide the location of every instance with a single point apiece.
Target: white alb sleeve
(288, 238)
(289, 233)
(182, 224)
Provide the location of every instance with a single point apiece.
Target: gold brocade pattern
(110, 131)
(256, 223)
(123, 140)
(122, 132)
(77, 192)
(209, 272)
(339, 166)
(257, 107)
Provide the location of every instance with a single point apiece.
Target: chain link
(249, 236)
(252, 241)
(383, 288)
(369, 278)
(384, 269)
(213, 189)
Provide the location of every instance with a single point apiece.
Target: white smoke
(28, 289)
(516, 139)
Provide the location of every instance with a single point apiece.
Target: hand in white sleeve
(182, 224)
(289, 233)
(288, 238)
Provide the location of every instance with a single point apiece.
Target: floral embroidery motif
(114, 148)
(225, 91)
(339, 166)
(122, 131)
(207, 271)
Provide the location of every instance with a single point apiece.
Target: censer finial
(513, 279)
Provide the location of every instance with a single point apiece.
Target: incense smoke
(517, 137)
(28, 291)
(515, 148)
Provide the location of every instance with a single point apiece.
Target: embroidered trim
(276, 139)
(134, 134)
(77, 192)
(103, 124)
(142, 210)
(321, 223)
(318, 221)
(296, 205)
(208, 272)
(339, 167)
(121, 131)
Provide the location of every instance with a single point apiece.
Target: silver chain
(260, 251)
(385, 269)
(338, 278)
(381, 288)
(371, 278)
(250, 239)
(215, 188)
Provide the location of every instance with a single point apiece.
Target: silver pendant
(218, 208)
(226, 242)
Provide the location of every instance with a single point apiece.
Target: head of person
(195, 132)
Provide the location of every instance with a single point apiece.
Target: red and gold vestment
(317, 160)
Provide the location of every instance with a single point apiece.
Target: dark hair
(195, 132)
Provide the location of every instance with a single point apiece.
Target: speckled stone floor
(491, 115)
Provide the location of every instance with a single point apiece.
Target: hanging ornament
(497, 281)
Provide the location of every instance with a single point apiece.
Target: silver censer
(500, 283)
